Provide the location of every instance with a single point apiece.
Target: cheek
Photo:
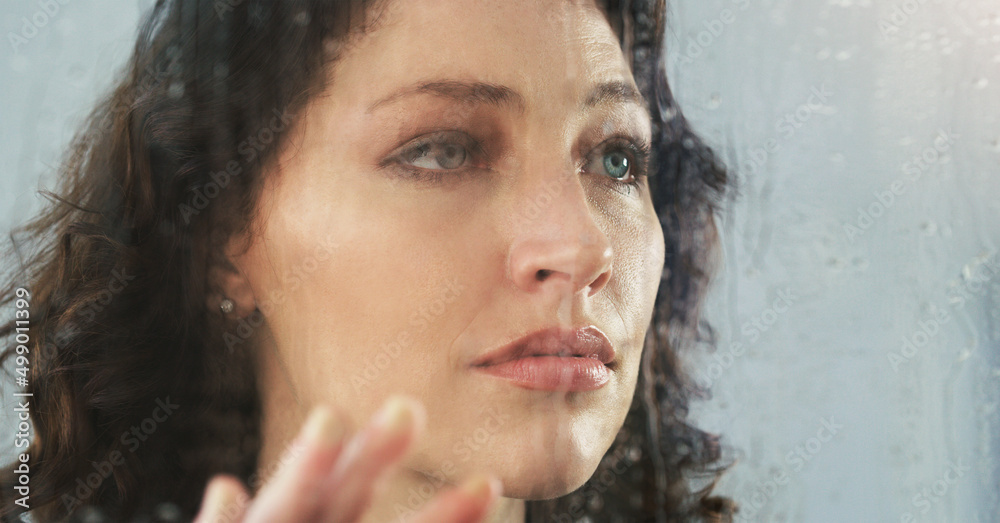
(632, 292)
(362, 321)
(655, 255)
(638, 264)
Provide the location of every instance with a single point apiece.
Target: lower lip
(552, 373)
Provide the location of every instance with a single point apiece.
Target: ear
(227, 280)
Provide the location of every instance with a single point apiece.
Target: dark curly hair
(116, 267)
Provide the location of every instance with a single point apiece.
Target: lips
(583, 342)
(554, 359)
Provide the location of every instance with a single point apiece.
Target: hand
(326, 478)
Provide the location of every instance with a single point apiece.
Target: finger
(296, 492)
(224, 502)
(466, 504)
(370, 454)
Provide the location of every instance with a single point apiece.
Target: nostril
(542, 274)
(598, 284)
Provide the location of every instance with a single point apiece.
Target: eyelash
(434, 176)
(637, 151)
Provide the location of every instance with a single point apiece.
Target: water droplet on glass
(668, 113)
(168, 512)
(714, 101)
(176, 90)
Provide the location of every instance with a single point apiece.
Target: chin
(545, 485)
(559, 464)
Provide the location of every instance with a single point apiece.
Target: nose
(558, 246)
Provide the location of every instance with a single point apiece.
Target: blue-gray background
(827, 417)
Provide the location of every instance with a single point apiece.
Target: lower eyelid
(479, 159)
(420, 176)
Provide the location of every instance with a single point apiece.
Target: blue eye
(616, 164)
(622, 159)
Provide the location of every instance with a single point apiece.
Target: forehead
(534, 46)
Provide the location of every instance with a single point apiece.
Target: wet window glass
(500, 261)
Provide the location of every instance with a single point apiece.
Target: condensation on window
(856, 374)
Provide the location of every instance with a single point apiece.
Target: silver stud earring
(227, 306)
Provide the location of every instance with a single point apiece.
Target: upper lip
(582, 342)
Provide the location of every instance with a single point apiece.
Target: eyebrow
(615, 91)
(503, 97)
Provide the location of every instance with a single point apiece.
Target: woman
(487, 215)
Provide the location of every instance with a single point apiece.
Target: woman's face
(454, 189)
